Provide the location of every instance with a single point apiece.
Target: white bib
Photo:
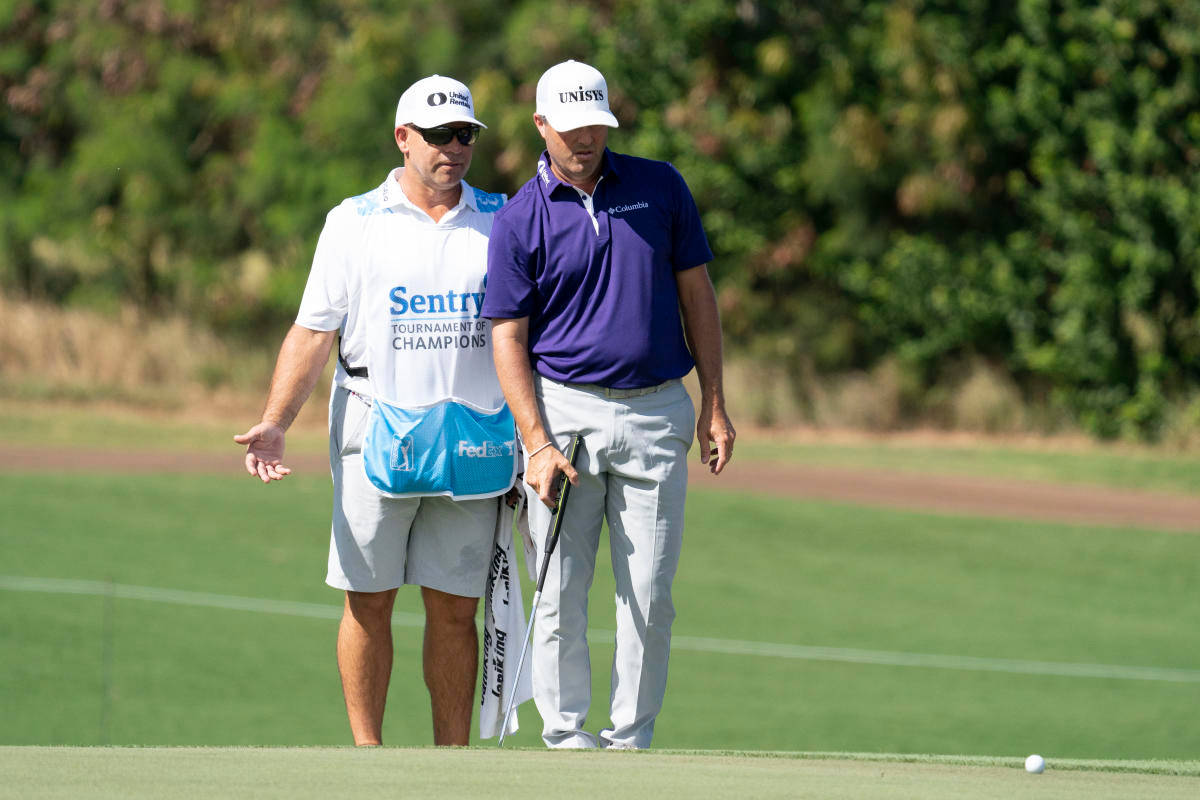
(438, 424)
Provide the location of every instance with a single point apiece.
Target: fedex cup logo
(402, 453)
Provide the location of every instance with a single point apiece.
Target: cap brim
(434, 120)
(569, 121)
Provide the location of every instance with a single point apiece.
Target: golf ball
(1035, 764)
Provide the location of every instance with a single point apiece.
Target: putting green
(303, 773)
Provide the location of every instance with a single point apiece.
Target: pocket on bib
(449, 448)
(355, 413)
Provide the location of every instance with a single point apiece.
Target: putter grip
(560, 508)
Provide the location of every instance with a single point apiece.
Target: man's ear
(401, 136)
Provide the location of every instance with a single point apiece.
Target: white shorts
(380, 543)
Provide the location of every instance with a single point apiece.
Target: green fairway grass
(36, 773)
(62, 426)
(782, 608)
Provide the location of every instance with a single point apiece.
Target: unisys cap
(571, 95)
(435, 101)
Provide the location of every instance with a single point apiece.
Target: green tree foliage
(1017, 181)
(185, 153)
(920, 181)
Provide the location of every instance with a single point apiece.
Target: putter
(560, 508)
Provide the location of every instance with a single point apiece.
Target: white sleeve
(326, 295)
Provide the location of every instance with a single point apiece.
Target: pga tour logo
(402, 453)
(486, 449)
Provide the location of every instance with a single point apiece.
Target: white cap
(435, 101)
(571, 95)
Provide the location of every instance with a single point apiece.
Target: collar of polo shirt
(550, 182)
(392, 195)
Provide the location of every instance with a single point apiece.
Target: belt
(353, 372)
(616, 394)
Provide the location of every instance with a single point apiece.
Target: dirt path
(950, 494)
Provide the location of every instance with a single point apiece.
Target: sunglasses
(442, 134)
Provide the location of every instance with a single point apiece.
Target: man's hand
(542, 471)
(302, 356)
(715, 434)
(513, 496)
(264, 451)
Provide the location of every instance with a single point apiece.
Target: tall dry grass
(52, 354)
(170, 366)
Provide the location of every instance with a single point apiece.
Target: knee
(370, 609)
(449, 610)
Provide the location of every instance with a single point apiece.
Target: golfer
(590, 267)
(420, 442)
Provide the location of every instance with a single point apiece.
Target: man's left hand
(264, 452)
(715, 434)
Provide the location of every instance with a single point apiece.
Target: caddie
(421, 444)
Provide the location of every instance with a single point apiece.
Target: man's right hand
(542, 471)
(264, 452)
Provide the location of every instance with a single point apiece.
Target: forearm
(516, 380)
(510, 351)
(511, 355)
(702, 328)
(302, 358)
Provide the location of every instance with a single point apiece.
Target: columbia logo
(486, 449)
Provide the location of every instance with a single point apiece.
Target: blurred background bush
(963, 213)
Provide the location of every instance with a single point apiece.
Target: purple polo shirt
(603, 306)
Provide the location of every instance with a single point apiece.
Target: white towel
(503, 628)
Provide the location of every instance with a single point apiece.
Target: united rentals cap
(435, 101)
(571, 95)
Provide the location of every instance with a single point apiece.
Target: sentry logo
(486, 449)
(543, 172)
(449, 302)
